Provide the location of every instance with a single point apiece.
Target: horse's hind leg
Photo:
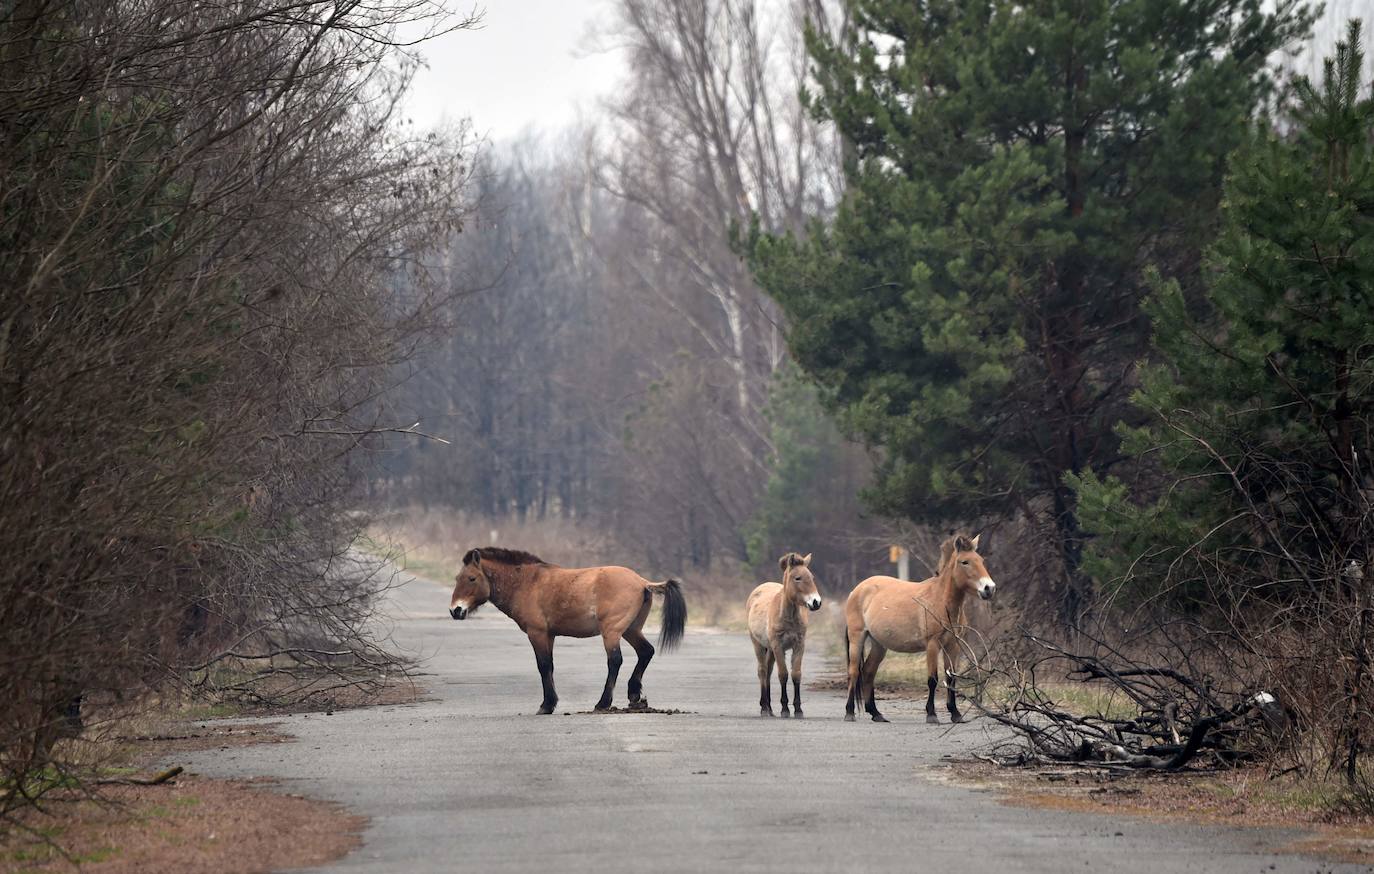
(932, 679)
(951, 661)
(854, 641)
(870, 675)
(765, 660)
(634, 636)
(613, 662)
(780, 656)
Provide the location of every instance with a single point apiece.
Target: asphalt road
(471, 781)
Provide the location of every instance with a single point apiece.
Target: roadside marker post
(899, 556)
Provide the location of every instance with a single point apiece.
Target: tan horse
(547, 601)
(777, 624)
(913, 617)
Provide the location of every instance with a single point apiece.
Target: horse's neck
(950, 596)
(506, 584)
(789, 610)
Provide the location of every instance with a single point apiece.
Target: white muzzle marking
(814, 602)
(986, 587)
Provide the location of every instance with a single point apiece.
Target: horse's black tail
(674, 615)
(850, 702)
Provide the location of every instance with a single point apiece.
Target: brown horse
(777, 624)
(914, 617)
(547, 601)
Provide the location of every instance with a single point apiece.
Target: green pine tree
(973, 307)
(809, 499)
(1261, 408)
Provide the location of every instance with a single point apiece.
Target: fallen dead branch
(166, 776)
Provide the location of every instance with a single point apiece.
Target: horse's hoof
(878, 717)
(796, 714)
(765, 712)
(932, 719)
(956, 717)
(641, 704)
(785, 713)
(601, 708)
(849, 717)
(545, 711)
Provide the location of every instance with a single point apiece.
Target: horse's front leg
(796, 677)
(781, 656)
(542, 642)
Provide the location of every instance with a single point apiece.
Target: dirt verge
(1245, 798)
(194, 826)
(190, 824)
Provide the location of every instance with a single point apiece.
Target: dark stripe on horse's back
(509, 556)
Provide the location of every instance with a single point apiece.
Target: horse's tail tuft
(674, 614)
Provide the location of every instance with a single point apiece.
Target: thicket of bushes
(208, 210)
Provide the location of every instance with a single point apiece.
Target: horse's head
(798, 580)
(960, 559)
(471, 587)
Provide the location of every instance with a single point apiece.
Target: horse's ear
(946, 551)
(473, 557)
(806, 560)
(962, 543)
(789, 560)
(976, 538)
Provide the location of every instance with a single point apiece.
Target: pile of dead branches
(1144, 712)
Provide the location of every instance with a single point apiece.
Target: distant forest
(612, 358)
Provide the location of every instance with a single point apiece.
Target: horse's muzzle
(458, 612)
(814, 605)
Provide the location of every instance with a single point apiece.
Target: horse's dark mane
(513, 557)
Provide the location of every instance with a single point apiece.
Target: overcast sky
(528, 65)
(531, 64)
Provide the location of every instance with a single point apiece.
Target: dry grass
(904, 675)
(431, 543)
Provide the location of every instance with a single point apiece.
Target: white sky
(528, 65)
